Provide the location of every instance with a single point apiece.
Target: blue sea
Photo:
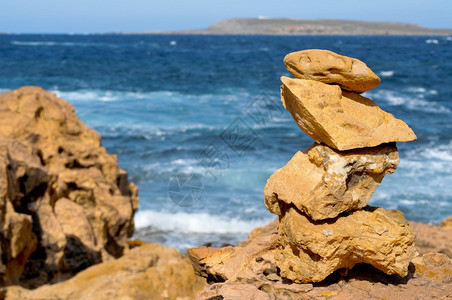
(198, 124)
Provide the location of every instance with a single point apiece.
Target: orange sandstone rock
(429, 276)
(447, 223)
(250, 260)
(322, 182)
(17, 240)
(328, 67)
(60, 179)
(150, 271)
(310, 251)
(342, 120)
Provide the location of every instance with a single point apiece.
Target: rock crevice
(64, 202)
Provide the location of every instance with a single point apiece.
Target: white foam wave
(175, 97)
(184, 166)
(408, 202)
(439, 153)
(194, 223)
(387, 73)
(150, 132)
(184, 162)
(414, 99)
(178, 166)
(53, 43)
(431, 41)
(433, 152)
(429, 161)
(421, 90)
(100, 95)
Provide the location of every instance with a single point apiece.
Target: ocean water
(198, 123)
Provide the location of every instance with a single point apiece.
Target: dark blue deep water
(205, 110)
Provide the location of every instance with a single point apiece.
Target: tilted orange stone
(342, 120)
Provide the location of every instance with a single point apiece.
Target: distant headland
(268, 26)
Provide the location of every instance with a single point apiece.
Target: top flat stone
(328, 67)
(342, 120)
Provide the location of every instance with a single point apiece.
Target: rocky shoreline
(429, 275)
(66, 212)
(172, 276)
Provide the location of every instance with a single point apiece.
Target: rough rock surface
(60, 178)
(247, 261)
(17, 240)
(431, 238)
(429, 277)
(342, 120)
(322, 182)
(447, 223)
(150, 271)
(310, 251)
(328, 67)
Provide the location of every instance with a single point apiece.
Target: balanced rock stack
(321, 195)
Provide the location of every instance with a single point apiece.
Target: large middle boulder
(323, 183)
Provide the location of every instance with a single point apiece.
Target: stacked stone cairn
(321, 195)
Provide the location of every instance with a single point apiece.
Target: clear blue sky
(98, 16)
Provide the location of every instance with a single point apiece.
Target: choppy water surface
(201, 116)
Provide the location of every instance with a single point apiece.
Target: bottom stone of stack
(309, 251)
(249, 261)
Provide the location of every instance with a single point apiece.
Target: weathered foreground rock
(250, 260)
(342, 120)
(17, 240)
(150, 271)
(322, 182)
(56, 174)
(447, 223)
(429, 276)
(328, 67)
(310, 251)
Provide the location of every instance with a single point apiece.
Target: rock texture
(150, 271)
(17, 240)
(322, 182)
(64, 201)
(248, 261)
(310, 251)
(328, 67)
(429, 276)
(339, 119)
(447, 223)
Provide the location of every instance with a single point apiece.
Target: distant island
(268, 26)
